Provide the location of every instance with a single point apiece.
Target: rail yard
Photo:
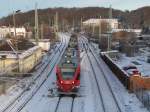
(87, 59)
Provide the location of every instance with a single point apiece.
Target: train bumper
(68, 88)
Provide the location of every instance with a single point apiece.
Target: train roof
(70, 57)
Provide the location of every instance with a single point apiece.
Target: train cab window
(68, 73)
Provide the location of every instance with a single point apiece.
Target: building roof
(95, 21)
(12, 55)
(21, 44)
(7, 48)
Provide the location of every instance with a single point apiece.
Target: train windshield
(67, 73)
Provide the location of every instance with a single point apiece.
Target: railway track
(60, 102)
(96, 81)
(72, 104)
(57, 105)
(12, 105)
(115, 107)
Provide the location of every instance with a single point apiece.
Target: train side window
(78, 77)
(57, 76)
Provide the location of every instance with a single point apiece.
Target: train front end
(68, 80)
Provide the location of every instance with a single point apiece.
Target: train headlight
(61, 82)
(73, 82)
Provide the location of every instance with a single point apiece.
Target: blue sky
(7, 6)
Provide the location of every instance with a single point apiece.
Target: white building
(24, 61)
(96, 22)
(43, 43)
(19, 31)
(6, 30)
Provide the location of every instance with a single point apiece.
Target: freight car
(125, 75)
(122, 76)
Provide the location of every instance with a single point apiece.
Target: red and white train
(68, 69)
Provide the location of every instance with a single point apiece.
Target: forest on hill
(131, 19)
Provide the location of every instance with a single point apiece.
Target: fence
(143, 95)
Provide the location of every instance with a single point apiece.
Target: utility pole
(56, 25)
(81, 27)
(49, 20)
(73, 24)
(3, 58)
(109, 29)
(14, 21)
(42, 31)
(63, 25)
(52, 23)
(9, 30)
(110, 12)
(36, 25)
(56, 21)
(100, 31)
(93, 28)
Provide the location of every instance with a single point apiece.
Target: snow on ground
(65, 104)
(42, 103)
(11, 94)
(138, 61)
(108, 98)
(15, 90)
(78, 104)
(89, 101)
(129, 100)
(92, 101)
(43, 91)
